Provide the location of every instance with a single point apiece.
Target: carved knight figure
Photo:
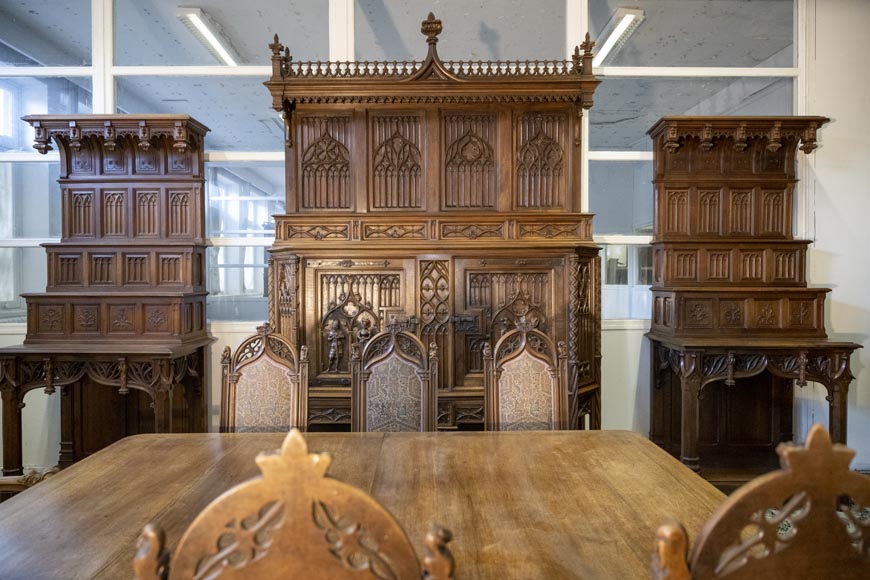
(334, 337)
(364, 332)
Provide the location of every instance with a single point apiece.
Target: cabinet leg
(690, 386)
(12, 454)
(162, 410)
(839, 395)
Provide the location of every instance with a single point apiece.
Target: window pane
(29, 201)
(722, 33)
(621, 197)
(243, 197)
(237, 283)
(25, 270)
(627, 273)
(149, 32)
(507, 30)
(45, 33)
(625, 108)
(21, 96)
(238, 110)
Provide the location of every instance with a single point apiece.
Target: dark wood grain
(734, 323)
(520, 505)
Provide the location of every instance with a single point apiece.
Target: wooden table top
(570, 504)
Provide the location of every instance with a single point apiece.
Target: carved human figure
(364, 332)
(334, 337)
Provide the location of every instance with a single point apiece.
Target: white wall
(838, 87)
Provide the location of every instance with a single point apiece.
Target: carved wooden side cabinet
(445, 195)
(120, 330)
(734, 323)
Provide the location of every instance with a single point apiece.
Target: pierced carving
(317, 232)
(472, 231)
(435, 313)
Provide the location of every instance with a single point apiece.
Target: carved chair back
(809, 520)
(394, 382)
(11, 484)
(525, 381)
(293, 522)
(264, 385)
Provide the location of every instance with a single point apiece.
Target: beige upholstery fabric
(525, 395)
(393, 396)
(264, 400)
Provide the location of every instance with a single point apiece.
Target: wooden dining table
(568, 504)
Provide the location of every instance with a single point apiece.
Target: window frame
(341, 24)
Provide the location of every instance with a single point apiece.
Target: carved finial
(587, 47)
(819, 455)
(303, 353)
(740, 138)
(706, 138)
(285, 62)
(487, 350)
(144, 136)
(669, 557)
(355, 351)
(431, 27)
(562, 349)
(152, 559)
(276, 46)
(226, 356)
(433, 350)
(576, 60)
(265, 329)
(293, 461)
(438, 562)
(109, 136)
(672, 139)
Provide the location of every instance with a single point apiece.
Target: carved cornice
(432, 80)
(773, 131)
(183, 130)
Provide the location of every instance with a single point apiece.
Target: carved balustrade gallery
(125, 302)
(445, 195)
(734, 324)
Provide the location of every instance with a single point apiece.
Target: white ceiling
(674, 32)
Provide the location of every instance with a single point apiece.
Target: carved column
(690, 386)
(12, 455)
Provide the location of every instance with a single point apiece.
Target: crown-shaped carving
(294, 521)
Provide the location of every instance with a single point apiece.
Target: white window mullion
(341, 30)
(102, 47)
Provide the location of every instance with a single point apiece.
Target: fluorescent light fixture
(208, 34)
(616, 32)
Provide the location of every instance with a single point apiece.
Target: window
(722, 57)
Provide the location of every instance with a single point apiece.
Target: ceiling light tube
(616, 32)
(198, 22)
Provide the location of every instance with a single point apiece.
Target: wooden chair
(264, 385)
(810, 520)
(11, 484)
(293, 522)
(393, 383)
(525, 381)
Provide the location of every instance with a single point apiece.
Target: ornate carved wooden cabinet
(734, 323)
(446, 195)
(120, 329)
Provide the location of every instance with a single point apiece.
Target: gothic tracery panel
(397, 162)
(325, 164)
(541, 164)
(470, 168)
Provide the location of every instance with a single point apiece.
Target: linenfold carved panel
(324, 181)
(397, 179)
(470, 167)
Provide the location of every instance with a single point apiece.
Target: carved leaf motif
(326, 155)
(350, 544)
(243, 543)
(397, 156)
(469, 151)
(540, 155)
